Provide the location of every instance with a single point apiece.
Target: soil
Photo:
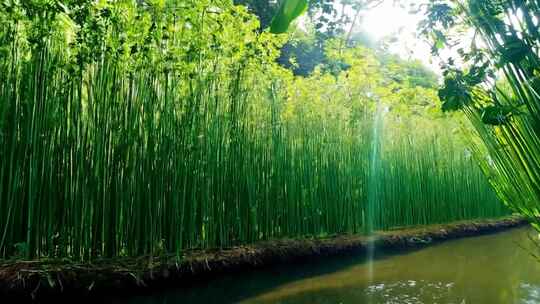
(25, 281)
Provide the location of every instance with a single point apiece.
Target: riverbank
(23, 280)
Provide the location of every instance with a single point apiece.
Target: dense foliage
(496, 82)
(131, 128)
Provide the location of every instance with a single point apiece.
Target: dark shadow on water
(235, 287)
(238, 286)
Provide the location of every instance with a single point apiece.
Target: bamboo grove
(498, 87)
(131, 129)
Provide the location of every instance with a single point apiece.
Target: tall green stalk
(131, 130)
(499, 90)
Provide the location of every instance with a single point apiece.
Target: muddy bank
(23, 281)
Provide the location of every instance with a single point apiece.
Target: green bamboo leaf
(288, 11)
(454, 94)
(496, 115)
(513, 51)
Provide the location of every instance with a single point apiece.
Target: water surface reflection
(481, 270)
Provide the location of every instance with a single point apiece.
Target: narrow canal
(489, 269)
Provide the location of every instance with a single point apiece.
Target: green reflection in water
(486, 269)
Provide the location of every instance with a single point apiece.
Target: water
(487, 269)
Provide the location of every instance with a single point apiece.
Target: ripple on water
(412, 292)
(530, 293)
